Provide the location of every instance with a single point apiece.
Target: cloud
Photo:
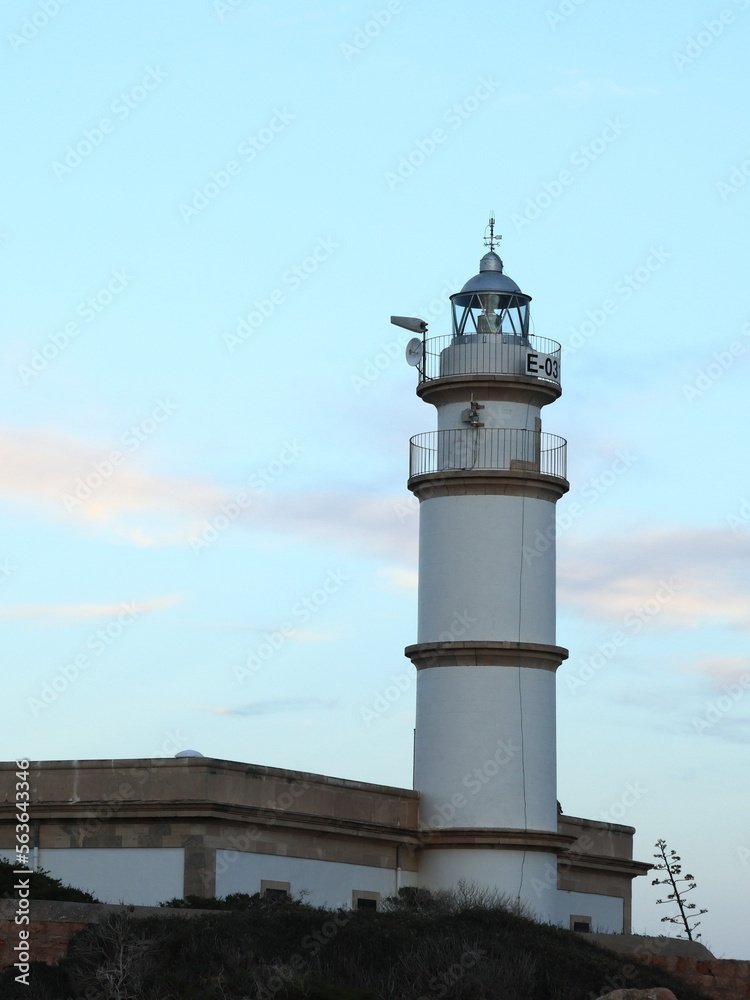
(370, 524)
(582, 89)
(71, 478)
(45, 469)
(71, 614)
(398, 578)
(722, 670)
(300, 635)
(278, 707)
(728, 729)
(673, 577)
(294, 635)
(668, 703)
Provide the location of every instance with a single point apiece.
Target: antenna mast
(491, 240)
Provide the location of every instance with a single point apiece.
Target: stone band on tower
(488, 480)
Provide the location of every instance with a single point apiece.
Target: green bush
(421, 947)
(42, 885)
(234, 901)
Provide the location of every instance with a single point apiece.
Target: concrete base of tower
(525, 878)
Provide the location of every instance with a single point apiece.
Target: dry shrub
(113, 959)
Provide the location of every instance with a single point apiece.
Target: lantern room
(491, 303)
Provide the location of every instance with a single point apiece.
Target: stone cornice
(496, 839)
(601, 863)
(486, 653)
(503, 482)
(106, 812)
(204, 767)
(509, 388)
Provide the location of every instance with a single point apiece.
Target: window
(275, 891)
(362, 900)
(579, 923)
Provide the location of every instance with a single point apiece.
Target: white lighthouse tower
(487, 480)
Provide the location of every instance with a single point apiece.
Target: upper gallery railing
(490, 354)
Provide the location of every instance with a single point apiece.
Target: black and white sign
(543, 365)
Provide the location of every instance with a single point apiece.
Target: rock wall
(52, 925)
(721, 978)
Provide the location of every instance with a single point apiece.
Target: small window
(362, 900)
(580, 924)
(275, 892)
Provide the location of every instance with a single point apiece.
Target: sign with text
(543, 365)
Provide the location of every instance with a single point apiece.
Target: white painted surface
(495, 414)
(606, 912)
(485, 747)
(517, 874)
(142, 876)
(485, 750)
(328, 883)
(485, 352)
(487, 569)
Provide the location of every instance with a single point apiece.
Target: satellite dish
(414, 351)
(189, 753)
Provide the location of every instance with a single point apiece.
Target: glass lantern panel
(490, 312)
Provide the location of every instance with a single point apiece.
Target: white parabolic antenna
(414, 351)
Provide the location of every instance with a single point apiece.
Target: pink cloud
(62, 477)
(723, 669)
(695, 577)
(69, 478)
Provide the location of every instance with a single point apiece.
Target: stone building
(144, 831)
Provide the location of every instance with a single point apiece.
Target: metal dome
(492, 279)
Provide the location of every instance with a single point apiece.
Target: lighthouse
(487, 480)
(483, 809)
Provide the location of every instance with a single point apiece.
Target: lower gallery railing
(486, 448)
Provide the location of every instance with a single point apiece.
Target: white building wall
(498, 768)
(606, 912)
(327, 883)
(515, 874)
(486, 569)
(495, 414)
(141, 876)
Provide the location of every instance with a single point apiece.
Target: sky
(212, 209)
